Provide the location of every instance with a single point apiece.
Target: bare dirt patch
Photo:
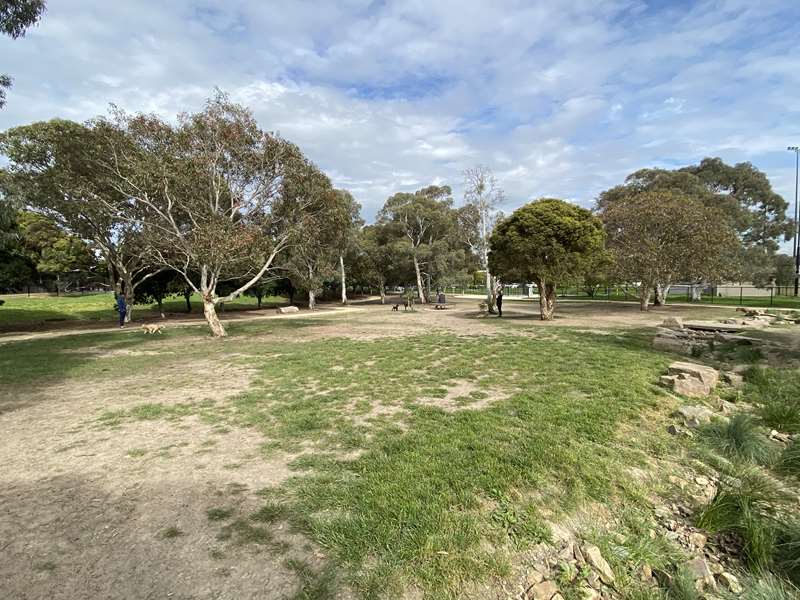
(464, 395)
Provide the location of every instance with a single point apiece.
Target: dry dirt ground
(88, 511)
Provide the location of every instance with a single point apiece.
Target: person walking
(499, 301)
(122, 309)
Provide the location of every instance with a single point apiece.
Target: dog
(396, 308)
(152, 328)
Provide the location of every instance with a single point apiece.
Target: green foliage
(777, 394)
(740, 438)
(682, 587)
(789, 463)
(547, 241)
(769, 587)
(748, 504)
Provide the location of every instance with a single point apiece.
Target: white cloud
(560, 99)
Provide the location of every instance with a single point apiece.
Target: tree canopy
(547, 241)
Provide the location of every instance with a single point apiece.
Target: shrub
(789, 463)
(682, 587)
(770, 588)
(740, 438)
(748, 504)
(787, 550)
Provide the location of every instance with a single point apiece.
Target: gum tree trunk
(210, 313)
(644, 297)
(344, 281)
(420, 289)
(383, 292)
(187, 295)
(547, 300)
(312, 300)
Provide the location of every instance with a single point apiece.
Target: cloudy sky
(558, 98)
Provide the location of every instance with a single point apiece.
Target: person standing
(499, 301)
(122, 309)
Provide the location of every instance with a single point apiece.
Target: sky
(559, 99)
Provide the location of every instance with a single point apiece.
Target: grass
(770, 587)
(789, 463)
(740, 438)
(20, 310)
(777, 392)
(403, 490)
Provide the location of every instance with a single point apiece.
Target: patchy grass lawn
(420, 464)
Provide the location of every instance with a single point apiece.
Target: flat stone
(698, 568)
(670, 344)
(284, 310)
(711, 326)
(707, 375)
(533, 577)
(593, 580)
(595, 558)
(544, 590)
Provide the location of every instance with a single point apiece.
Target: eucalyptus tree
(477, 217)
(204, 193)
(663, 236)
(549, 242)
(54, 169)
(420, 219)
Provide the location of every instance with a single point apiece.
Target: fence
(729, 295)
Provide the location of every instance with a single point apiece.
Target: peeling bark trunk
(383, 292)
(210, 313)
(344, 281)
(491, 295)
(660, 292)
(420, 289)
(312, 300)
(547, 300)
(697, 292)
(127, 285)
(644, 297)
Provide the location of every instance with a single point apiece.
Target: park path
(195, 322)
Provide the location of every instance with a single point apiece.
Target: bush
(770, 588)
(741, 438)
(787, 550)
(748, 504)
(777, 392)
(789, 463)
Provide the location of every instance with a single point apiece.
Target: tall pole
(796, 232)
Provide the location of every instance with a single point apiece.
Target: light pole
(796, 242)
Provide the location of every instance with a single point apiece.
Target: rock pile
(580, 565)
(690, 379)
(285, 310)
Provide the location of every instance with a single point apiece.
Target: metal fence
(728, 295)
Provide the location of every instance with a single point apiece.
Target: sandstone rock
(707, 375)
(783, 438)
(284, 310)
(698, 568)
(544, 590)
(733, 379)
(670, 344)
(698, 540)
(533, 577)
(646, 573)
(588, 593)
(685, 385)
(595, 558)
(702, 480)
(593, 580)
(694, 416)
(672, 323)
(731, 582)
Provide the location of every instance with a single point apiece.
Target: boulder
(285, 310)
(544, 590)
(685, 385)
(694, 416)
(669, 343)
(698, 568)
(734, 380)
(707, 375)
(672, 323)
(595, 558)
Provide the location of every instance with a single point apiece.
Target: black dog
(396, 307)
